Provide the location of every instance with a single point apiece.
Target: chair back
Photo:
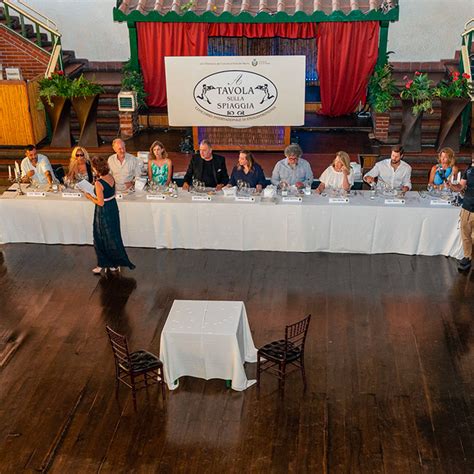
(295, 334)
(119, 348)
(59, 172)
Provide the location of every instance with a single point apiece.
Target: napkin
(230, 192)
(269, 191)
(140, 184)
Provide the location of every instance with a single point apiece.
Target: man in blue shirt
(293, 170)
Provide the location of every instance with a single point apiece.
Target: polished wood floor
(390, 365)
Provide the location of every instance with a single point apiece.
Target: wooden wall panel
(17, 126)
(38, 116)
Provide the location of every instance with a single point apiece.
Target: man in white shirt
(392, 171)
(36, 168)
(123, 166)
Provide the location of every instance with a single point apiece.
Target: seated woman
(79, 166)
(339, 175)
(248, 171)
(160, 167)
(446, 168)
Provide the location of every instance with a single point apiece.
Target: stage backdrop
(235, 91)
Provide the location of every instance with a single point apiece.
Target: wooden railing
(41, 24)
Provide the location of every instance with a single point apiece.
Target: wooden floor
(390, 365)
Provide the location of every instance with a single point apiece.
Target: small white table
(209, 340)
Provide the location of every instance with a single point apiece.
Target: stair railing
(41, 23)
(467, 37)
(465, 66)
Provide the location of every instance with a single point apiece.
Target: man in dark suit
(206, 167)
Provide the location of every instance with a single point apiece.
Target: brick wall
(128, 124)
(18, 52)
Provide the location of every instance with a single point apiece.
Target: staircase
(41, 31)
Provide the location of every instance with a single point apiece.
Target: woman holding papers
(108, 243)
(339, 175)
(446, 169)
(79, 166)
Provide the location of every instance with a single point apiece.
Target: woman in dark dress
(248, 171)
(108, 243)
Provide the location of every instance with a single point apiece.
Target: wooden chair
(136, 370)
(277, 356)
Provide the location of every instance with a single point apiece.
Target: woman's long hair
(249, 157)
(164, 153)
(73, 161)
(344, 157)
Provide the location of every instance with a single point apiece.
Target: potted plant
(416, 98)
(454, 93)
(85, 99)
(55, 93)
(133, 81)
(381, 92)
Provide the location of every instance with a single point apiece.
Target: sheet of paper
(87, 187)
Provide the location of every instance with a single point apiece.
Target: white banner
(235, 91)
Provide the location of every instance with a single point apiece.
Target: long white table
(363, 225)
(209, 340)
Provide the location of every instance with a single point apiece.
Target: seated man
(392, 171)
(206, 167)
(123, 166)
(293, 170)
(36, 168)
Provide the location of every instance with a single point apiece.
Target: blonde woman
(339, 175)
(446, 168)
(79, 166)
(160, 168)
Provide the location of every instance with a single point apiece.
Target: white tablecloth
(209, 340)
(315, 225)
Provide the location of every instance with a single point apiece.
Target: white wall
(88, 28)
(428, 30)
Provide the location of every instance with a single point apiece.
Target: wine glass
(373, 188)
(284, 188)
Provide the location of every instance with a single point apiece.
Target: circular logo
(235, 93)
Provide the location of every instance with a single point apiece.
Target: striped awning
(212, 10)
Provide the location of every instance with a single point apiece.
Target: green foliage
(82, 87)
(419, 91)
(133, 81)
(186, 6)
(381, 89)
(59, 85)
(456, 86)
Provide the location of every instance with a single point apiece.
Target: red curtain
(264, 30)
(347, 54)
(157, 40)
